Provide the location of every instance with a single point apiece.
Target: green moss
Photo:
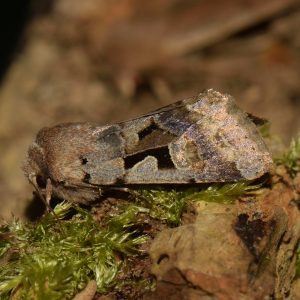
(224, 193)
(291, 159)
(162, 204)
(168, 205)
(55, 258)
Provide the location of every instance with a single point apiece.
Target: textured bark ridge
(241, 251)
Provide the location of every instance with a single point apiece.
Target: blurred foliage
(265, 129)
(291, 159)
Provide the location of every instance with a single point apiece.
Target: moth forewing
(198, 140)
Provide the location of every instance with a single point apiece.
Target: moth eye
(163, 258)
(41, 182)
(83, 160)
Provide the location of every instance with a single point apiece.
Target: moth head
(55, 158)
(35, 167)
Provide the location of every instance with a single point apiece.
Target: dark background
(106, 61)
(13, 17)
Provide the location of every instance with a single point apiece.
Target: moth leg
(119, 189)
(113, 189)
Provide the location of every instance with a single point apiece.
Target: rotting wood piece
(240, 251)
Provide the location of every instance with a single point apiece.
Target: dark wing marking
(162, 155)
(149, 130)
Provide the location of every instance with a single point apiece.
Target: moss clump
(57, 257)
(169, 205)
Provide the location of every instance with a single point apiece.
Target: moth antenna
(48, 191)
(33, 181)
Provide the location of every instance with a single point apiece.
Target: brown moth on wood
(202, 139)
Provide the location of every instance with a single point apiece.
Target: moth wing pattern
(200, 139)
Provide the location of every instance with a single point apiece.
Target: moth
(202, 139)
